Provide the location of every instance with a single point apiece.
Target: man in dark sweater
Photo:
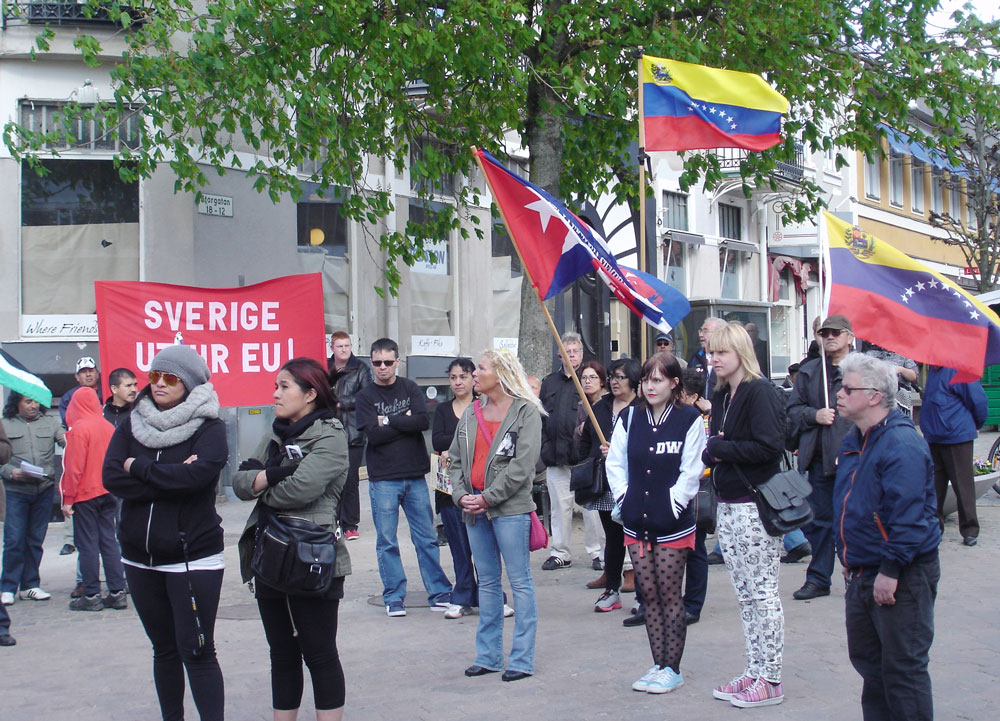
(392, 416)
(124, 388)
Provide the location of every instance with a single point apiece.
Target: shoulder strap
(482, 422)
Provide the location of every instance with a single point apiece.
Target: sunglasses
(848, 390)
(386, 363)
(831, 333)
(169, 378)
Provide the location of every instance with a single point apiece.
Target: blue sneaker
(643, 683)
(665, 681)
(394, 609)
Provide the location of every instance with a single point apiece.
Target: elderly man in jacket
(950, 418)
(817, 429)
(887, 540)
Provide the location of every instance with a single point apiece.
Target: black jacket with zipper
(165, 501)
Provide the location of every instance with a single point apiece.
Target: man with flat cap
(817, 430)
(665, 344)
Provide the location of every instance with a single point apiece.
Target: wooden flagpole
(822, 305)
(642, 208)
(545, 310)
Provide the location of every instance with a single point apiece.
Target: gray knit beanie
(184, 362)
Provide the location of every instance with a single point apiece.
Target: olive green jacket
(312, 492)
(509, 476)
(34, 442)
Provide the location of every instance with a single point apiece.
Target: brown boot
(598, 582)
(628, 582)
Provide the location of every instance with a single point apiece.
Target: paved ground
(97, 666)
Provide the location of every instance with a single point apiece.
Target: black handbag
(782, 501)
(704, 505)
(293, 555)
(587, 480)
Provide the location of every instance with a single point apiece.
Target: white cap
(85, 362)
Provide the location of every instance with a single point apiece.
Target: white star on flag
(545, 212)
(920, 286)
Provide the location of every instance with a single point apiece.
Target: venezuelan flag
(901, 304)
(690, 107)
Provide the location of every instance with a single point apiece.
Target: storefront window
(322, 233)
(506, 283)
(431, 289)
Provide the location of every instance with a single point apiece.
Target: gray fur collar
(154, 428)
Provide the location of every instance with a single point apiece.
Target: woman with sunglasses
(164, 462)
(744, 449)
(300, 469)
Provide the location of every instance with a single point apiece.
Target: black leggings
(284, 618)
(614, 551)
(163, 602)
(659, 573)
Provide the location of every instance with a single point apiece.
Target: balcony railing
(64, 13)
(730, 160)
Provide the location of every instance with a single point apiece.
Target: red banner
(244, 334)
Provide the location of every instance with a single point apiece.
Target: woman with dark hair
(607, 410)
(746, 444)
(33, 437)
(299, 470)
(164, 462)
(653, 468)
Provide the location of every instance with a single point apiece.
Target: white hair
(875, 373)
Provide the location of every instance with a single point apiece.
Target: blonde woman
(744, 448)
(493, 456)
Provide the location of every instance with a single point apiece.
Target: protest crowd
(660, 453)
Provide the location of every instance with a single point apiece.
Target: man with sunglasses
(392, 415)
(817, 430)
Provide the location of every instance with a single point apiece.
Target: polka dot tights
(659, 574)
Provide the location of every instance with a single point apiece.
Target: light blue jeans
(387, 497)
(506, 538)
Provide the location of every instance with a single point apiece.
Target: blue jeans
(387, 497)
(23, 535)
(464, 593)
(820, 530)
(506, 538)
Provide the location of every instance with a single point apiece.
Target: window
(322, 236)
(507, 275)
(675, 211)
(90, 134)
(431, 284)
(673, 262)
(955, 197)
(731, 264)
(917, 185)
(79, 223)
(873, 178)
(731, 222)
(937, 192)
(896, 180)
(430, 152)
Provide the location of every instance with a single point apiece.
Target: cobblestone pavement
(85, 666)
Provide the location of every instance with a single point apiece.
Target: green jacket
(312, 492)
(34, 442)
(509, 477)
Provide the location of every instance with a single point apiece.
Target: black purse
(293, 555)
(705, 505)
(781, 501)
(587, 480)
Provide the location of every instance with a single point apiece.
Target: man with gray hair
(887, 541)
(560, 399)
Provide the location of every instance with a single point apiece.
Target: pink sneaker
(351, 534)
(762, 693)
(726, 691)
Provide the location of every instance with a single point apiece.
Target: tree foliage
(270, 86)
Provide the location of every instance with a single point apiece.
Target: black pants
(614, 551)
(696, 577)
(890, 645)
(349, 511)
(953, 462)
(94, 532)
(303, 629)
(163, 602)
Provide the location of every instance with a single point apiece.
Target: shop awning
(900, 142)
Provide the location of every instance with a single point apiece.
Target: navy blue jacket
(951, 412)
(884, 499)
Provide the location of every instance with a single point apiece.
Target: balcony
(64, 13)
(730, 160)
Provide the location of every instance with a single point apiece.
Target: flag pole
(642, 206)
(548, 317)
(823, 260)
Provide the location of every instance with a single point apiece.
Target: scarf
(154, 428)
(287, 432)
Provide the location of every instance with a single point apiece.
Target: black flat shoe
(514, 675)
(691, 619)
(478, 671)
(810, 590)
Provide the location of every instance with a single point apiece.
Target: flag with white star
(689, 107)
(557, 247)
(903, 305)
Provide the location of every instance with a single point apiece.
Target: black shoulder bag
(293, 555)
(781, 501)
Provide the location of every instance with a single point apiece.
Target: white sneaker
(507, 611)
(457, 611)
(7, 599)
(643, 683)
(35, 594)
(441, 606)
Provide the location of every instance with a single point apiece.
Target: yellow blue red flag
(901, 304)
(690, 107)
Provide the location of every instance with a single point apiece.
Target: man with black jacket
(817, 430)
(392, 416)
(124, 388)
(348, 375)
(560, 399)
